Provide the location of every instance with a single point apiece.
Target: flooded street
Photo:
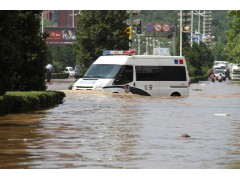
(100, 130)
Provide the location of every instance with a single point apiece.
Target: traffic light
(129, 32)
(139, 27)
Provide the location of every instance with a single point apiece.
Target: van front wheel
(175, 94)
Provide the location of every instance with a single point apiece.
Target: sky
(120, 5)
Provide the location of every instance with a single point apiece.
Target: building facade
(62, 18)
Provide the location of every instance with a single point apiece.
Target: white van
(147, 75)
(234, 71)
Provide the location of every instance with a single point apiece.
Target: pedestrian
(50, 70)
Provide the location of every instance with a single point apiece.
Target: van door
(147, 79)
(124, 76)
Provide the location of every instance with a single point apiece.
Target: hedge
(16, 101)
(198, 78)
(60, 75)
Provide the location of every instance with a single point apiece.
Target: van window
(147, 73)
(161, 73)
(102, 71)
(124, 76)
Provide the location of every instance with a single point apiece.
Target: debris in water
(185, 135)
(222, 114)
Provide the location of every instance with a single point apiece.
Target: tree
(61, 56)
(193, 58)
(218, 52)
(10, 55)
(232, 49)
(22, 55)
(31, 74)
(185, 44)
(98, 31)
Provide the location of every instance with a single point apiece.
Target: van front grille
(84, 87)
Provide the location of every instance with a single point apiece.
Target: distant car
(70, 71)
(219, 74)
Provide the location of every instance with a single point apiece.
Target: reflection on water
(100, 130)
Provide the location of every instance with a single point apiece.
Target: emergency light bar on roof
(178, 61)
(123, 52)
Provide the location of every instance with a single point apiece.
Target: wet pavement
(60, 84)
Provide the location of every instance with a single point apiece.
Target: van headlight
(99, 87)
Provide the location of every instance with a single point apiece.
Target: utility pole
(174, 39)
(130, 24)
(131, 14)
(138, 44)
(199, 20)
(181, 31)
(73, 18)
(191, 28)
(146, 45)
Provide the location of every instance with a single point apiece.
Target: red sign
(60, 35)
(166, 27)
(54, 35)
(157, 27)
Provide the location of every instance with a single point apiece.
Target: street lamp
(199, 22)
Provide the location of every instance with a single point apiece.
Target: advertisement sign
(60, 35)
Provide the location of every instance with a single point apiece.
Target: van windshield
(102, 71)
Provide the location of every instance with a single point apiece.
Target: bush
(198, 78)
(60, 75)
(15, 102)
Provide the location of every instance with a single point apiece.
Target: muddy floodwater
(99, 130)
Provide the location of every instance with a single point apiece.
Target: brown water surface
(100, 130)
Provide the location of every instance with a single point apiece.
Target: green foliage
(232, 49)
(31, 75)
(23, 50)
(220, 24)
(61, 57)
(60, 75)
(160, 17)
(198, 78)
(15, 102)
(218, 52)
(9, 51)
(97, 31)
(199, 59)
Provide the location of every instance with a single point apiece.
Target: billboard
(60, 35)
